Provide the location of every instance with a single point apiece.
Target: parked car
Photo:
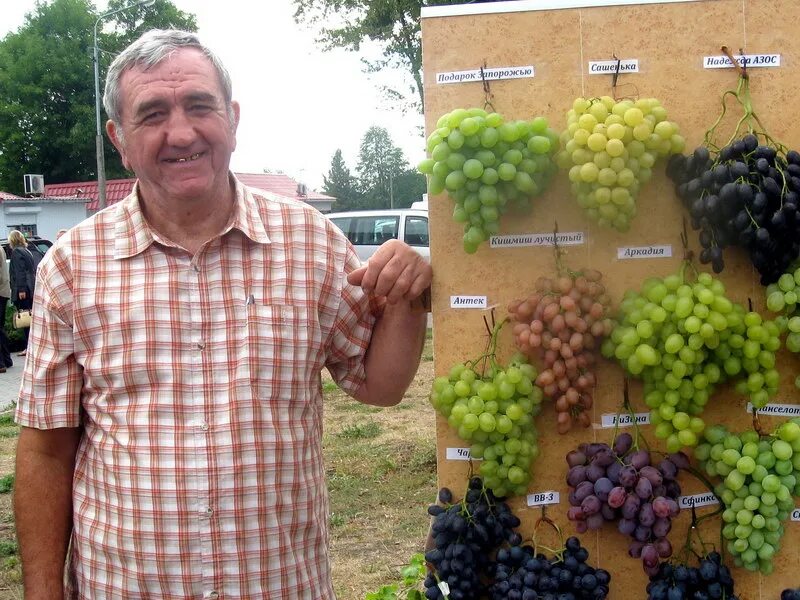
(41, 244)
(368, 229)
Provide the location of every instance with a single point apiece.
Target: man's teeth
(181, 160)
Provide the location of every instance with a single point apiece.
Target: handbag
(22, 319)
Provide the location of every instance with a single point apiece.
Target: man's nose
(180, 130)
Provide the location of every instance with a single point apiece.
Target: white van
(368, 229)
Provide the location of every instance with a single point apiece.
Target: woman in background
(23, 275)
(5, 295)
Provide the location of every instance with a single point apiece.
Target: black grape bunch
(744, 193)
(466, 535)
(525, 572)
(790, 594)
(677, 580)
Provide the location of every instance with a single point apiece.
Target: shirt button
(204, 426)
(196, 269)
(201, 345)
(212, 595)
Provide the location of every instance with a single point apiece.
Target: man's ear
(235, 125)
(236, 110)
(116, 139)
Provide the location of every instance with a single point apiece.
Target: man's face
(178, 137)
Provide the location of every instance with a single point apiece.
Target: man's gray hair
(149, 50)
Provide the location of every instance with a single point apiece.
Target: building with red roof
(117, 189)
(66, 204)
(40, 215)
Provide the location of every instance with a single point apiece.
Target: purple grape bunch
(628, 486)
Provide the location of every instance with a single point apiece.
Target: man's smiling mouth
(186, 159)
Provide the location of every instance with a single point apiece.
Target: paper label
(491, 74)
(796, 514)
(644, 252)
(459, 454)
(611, 420)
(777, 410)
(468, 302)
(609, 67)
(748, 60)
(697, 500)
(544, 498)
(572, 238)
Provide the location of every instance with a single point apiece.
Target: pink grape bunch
(562, 324)
(629, 486)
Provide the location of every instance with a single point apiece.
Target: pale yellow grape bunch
(610, 149)
(487, 164)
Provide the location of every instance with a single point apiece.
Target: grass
(10, 570)
(381, 472)
(8, 548)
(360, 431)
(381, 477)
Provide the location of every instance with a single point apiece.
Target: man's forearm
(43, 508)
(393, 356)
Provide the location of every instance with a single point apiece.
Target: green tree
(394, 24)
(341, 184)
(409, 186)
(130, 24)
(379, 163)
(47, 113)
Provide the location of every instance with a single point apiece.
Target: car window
(368, 231)
(417, 231)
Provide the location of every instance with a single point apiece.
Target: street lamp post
(101, 162)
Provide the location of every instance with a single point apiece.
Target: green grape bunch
(610, 149)
(494, 412)
(782, 298)
(758, 475)
(682, 339)
(488, 164)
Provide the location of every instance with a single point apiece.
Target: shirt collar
(133, 234)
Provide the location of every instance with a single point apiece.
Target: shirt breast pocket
(281, 342)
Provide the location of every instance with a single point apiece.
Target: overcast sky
(299, 104)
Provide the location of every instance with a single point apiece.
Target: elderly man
(171, 403)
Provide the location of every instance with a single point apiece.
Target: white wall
(48, 216)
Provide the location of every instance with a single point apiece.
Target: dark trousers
(5, 355)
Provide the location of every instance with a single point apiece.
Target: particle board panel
(670, 40)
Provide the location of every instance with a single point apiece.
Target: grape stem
(548, 521)
(487, 91)
(749, 118)
(757, 424)
(491, 347)
(557, 250)
(695, 520)
(626, 406)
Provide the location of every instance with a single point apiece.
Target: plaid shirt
(197, 383)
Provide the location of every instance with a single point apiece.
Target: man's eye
(200, 108)
(153, 116)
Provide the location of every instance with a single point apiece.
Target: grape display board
(674, 44)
